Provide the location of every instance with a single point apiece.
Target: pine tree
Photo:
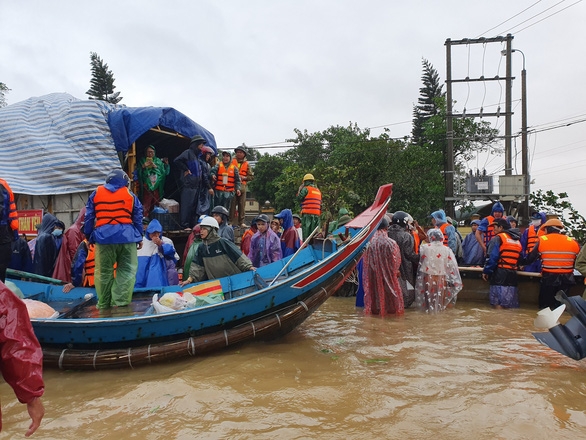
(426, 105)
(3, 90)
(102, 82)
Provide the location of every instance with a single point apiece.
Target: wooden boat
(261, 304)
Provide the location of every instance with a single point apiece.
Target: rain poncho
(152, 173)
(381, 265)
(265, 248)
(72, 237)
(289, 238)
(45, 247)
(152, 260)
(409, 260)
(438, 278)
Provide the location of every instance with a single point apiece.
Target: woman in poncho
(381, 265)
(152, 172)
(438, 278)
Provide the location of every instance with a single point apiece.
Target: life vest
(416, 240)
(113, 207)
(11, 217)
(489, 231)
(242, 169)
(558, 253)
(442, 228)
(89, 268)
(311, 204)
(533, 237)
(228, 184)
(509, 252)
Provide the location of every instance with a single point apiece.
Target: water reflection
(470, 372)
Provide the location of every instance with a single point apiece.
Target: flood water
(468, 373)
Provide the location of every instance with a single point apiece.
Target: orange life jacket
(113, 207)
(532, 237)
(90, 266)
(489, 231)
(242, 169)
(417, 241)
(509, 252)
(229, 172)
(312, 202)
(443, 229)
(558, 253)
(11, 215)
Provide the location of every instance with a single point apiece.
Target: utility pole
(508, 110)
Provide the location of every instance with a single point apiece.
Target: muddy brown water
(469, 373)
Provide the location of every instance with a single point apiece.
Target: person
(21, 356)
(113, 221)
(399, 232)
(196, 183)
(473, 255)
(226, 181)
(216, 257)
(157, 259)
(290, 242)
(238, 204)
(209, 157)
(21, 258)
(440, 221)
(438, 278)
(530, 236)
(417, 232)
(152, 173)
(381, 266)
(72, 237)
(558, 253)
(310, 197)
(265, 245)
(8, 226)
(276, 227)
(297, 224)
(58, 235)
(247, 237)
(485, 231)
(220, 213)
(343, 218)
(45, 254)
(193, 241)
(83, 267)
(459, 253)
(580, 265)
(500, 269)
(512, 221)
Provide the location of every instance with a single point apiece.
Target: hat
(240, 148)
(502, 223)
(262, 218)
(197, 139)
(536, 216)
(475, 222)
(344, 219)
(297, 216)
(449, 220)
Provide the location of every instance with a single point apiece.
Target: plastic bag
(38, 309)
(158, 307)
(173, 300)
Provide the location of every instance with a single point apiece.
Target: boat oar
(22, 274)
(295, 254)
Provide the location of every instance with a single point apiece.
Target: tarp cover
(58, 144)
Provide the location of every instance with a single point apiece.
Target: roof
(58, 144)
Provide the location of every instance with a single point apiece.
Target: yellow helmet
(308, 177)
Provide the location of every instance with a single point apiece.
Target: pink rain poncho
(438, 278)
(381, 265)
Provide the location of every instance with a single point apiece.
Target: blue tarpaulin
(58, 144)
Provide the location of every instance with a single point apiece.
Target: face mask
(536, 222)
(57, 232)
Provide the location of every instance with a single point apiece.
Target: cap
(536, 216)
(262, 218)
(502, 223)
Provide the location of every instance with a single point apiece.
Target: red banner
(28, 219)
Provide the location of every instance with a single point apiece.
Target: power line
(551, 15)
(509, 19)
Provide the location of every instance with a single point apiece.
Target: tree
(102, 82)
(3, 90)
(426, 107)
(559, 205)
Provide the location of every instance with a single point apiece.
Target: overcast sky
(252, 71)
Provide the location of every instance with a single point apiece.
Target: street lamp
(524, 147)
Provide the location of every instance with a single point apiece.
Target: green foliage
(426, 104)
(267, 172)
(3, 90)
(102, 82)
(560, 205)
